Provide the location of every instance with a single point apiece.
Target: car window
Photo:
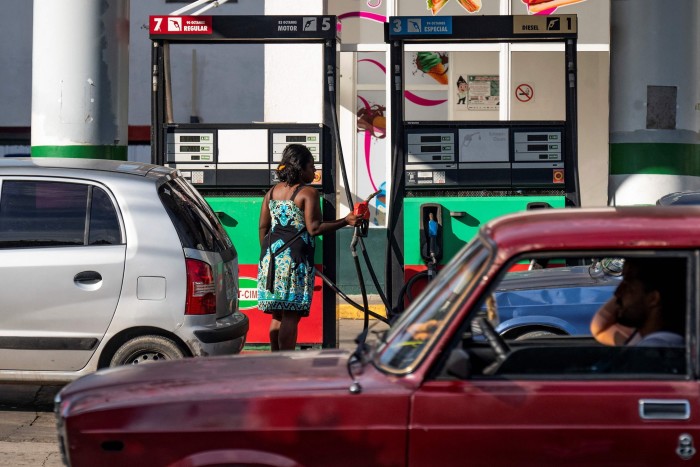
(193, 219)
(104, 222)
(560, 299)
(41, 213)
(539, 323)
(412, 335)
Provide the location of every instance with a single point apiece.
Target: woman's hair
(294, 158)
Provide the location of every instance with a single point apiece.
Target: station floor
(350, 323)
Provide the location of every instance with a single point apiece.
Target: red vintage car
(440, 388)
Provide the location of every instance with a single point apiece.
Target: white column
(654, 138)
(80, 78)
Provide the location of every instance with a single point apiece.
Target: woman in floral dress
(291, 216)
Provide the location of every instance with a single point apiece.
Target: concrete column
(654, 99)
(80, 79)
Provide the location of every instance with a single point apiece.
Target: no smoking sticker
(524, 92)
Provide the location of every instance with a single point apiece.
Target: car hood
(239, 376)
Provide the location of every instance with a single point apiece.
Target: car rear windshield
(195, 222)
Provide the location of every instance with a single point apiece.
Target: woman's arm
(265, 219)
(312, 214)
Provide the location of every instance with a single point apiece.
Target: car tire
(146, 349)
(535, 335)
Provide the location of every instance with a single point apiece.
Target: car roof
(582, 229)
(143, 169)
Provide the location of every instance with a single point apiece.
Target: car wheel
(146, 349)
(535, 335)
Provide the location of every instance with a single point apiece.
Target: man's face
(632, 300)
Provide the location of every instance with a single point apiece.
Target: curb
(346, 311)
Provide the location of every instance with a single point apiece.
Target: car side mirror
(458, 364)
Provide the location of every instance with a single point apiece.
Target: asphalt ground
(351, 320)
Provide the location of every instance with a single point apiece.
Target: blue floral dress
(294, 267)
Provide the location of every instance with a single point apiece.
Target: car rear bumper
(224, 337)
(224, 333)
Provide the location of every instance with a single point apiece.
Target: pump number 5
(325, 24)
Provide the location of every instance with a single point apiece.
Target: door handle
(664, 409)
(87, 277)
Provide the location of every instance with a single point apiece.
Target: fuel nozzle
(432, 237)
(430, 215)
(361, 210)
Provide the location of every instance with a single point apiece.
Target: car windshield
(414, 332)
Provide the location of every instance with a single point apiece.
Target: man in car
(647, 308)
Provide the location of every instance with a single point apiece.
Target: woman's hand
(352, 219)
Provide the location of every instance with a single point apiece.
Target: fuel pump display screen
(194, 149)
(311, 139)
(431, 139)
(484, 157)
(430, 158)
(538, 157)
(296, 139)
(189, 139)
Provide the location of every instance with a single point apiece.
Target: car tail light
(201, 289)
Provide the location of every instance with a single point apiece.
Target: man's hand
(605, 328)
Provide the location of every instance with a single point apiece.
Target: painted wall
(16, 57)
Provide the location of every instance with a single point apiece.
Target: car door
(61, 269)
(521, 422)
(561, 401)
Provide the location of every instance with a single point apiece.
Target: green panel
(456, 231)
(117, 153)
(655, 158)
(240, 217)
(375, 244)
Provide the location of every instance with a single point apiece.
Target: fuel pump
(233, 164)
(470, 140)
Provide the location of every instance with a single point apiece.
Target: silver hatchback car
(105, 263)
